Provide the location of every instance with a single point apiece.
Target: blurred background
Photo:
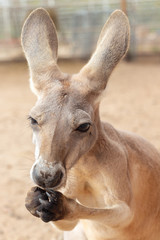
(131, 102)
(79, 23)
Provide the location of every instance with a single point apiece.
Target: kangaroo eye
(32, 121)
(84, 127)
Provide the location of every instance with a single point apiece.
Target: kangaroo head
(65, 119)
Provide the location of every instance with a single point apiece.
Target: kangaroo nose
(48, 177)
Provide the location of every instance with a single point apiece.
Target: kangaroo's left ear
(111, 47)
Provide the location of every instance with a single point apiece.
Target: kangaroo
(92, 181)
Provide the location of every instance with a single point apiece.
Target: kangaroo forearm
(119, 214)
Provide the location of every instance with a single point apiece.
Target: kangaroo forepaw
(46, 205)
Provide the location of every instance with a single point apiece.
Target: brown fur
(110, 182)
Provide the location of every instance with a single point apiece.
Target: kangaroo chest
(88, 191)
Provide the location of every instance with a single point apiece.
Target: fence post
(131, 52)
(124, 6)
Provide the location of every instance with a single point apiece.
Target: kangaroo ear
(111, 47)
(40, 44)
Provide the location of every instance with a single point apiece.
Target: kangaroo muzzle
(47, 175)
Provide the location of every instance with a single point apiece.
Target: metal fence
(79, 23)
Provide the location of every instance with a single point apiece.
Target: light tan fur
(110, 181)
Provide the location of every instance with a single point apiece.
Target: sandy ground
(131, 102)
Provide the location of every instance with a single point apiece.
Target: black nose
(48, 178)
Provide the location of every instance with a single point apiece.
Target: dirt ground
(131, 102)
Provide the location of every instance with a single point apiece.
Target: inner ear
(39, 39)
(40, 45)
(111, 47)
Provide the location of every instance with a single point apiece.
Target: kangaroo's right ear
(40, 44)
